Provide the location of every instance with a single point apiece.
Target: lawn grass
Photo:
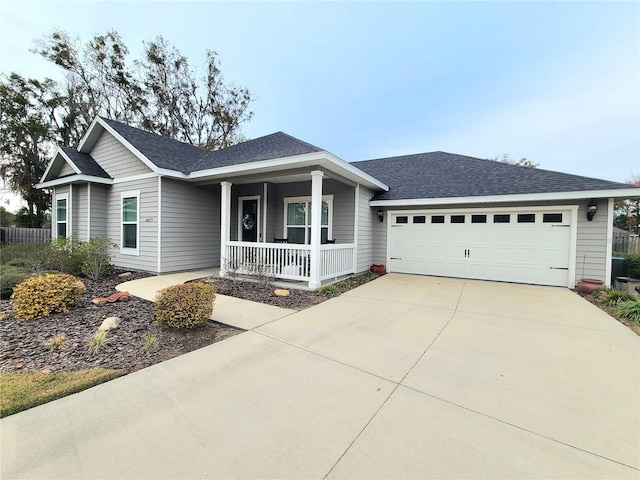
(21, 391)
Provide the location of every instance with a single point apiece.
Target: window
(297, 219)
(502, 218)
(419, 219)
(62, 219)
(437, 218)
(478, 219)
(402, 219)
(526, 218)
(130, 202)
(457, 218)
(552, 218)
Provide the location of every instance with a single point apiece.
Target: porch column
(316, 221)
(225, 223)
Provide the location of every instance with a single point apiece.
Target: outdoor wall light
(592, 208)
(381, 215)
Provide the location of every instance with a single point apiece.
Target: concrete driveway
(405, 377)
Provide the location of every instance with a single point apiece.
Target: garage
(527, 245)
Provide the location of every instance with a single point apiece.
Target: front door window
(249, 216)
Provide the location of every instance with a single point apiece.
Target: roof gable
(171, 154)
(448, 175)
(68, 161)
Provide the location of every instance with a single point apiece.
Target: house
(280, 206)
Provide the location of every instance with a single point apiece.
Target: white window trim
(124, 250)
(288, 200)
(62, 196)
(258, 222)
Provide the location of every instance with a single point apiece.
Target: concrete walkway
(232, 311)
(405, 377)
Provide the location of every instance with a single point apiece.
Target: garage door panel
(521, 252)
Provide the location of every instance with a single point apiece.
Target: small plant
(45, 294)
(329, 291)
(56, 342)
(185, 306)
(98, 341)
(95, 258)
(149, 342)
(262, 272)
(629, 309)
(614, 297)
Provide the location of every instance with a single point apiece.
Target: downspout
(159, 223)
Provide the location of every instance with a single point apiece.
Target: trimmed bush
(45, 294)
(632, 265)
(185, 306)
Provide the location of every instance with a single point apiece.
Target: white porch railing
(336, 260)
(287, 260)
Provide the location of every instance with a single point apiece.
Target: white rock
(110, 323)
(125, 274)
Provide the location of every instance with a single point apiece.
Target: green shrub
(629, 309)
(185, 306)
(614, 297)
(46, 294)
(95, 258)
(329, 291)
(632, 265)
(11, 276)
(65, 255)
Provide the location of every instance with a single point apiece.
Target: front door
(249, 217)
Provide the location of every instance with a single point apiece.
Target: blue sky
(556, 82)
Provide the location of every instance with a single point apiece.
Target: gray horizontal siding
(190, 226)
(115, 158)
(147, 260)
(99, 195)
(66, 170)
(81, 211)
(365, 230)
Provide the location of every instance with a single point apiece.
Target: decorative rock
(109, 323)
(125, 274)
(280, 292)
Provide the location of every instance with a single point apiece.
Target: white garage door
(522, 246)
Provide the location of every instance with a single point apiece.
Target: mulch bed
(23, 342)
(609, 309)
(249, 290)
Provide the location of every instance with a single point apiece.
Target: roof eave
(521, 197)
(75, 179)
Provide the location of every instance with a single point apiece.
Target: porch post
(316, 221)
(225, 223)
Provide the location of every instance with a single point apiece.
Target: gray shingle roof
(174, 155)
(85, 162)
(445, 175)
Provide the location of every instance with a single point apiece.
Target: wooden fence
(12, 235)
(624, 242)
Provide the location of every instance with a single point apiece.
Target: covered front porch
(301, 227)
